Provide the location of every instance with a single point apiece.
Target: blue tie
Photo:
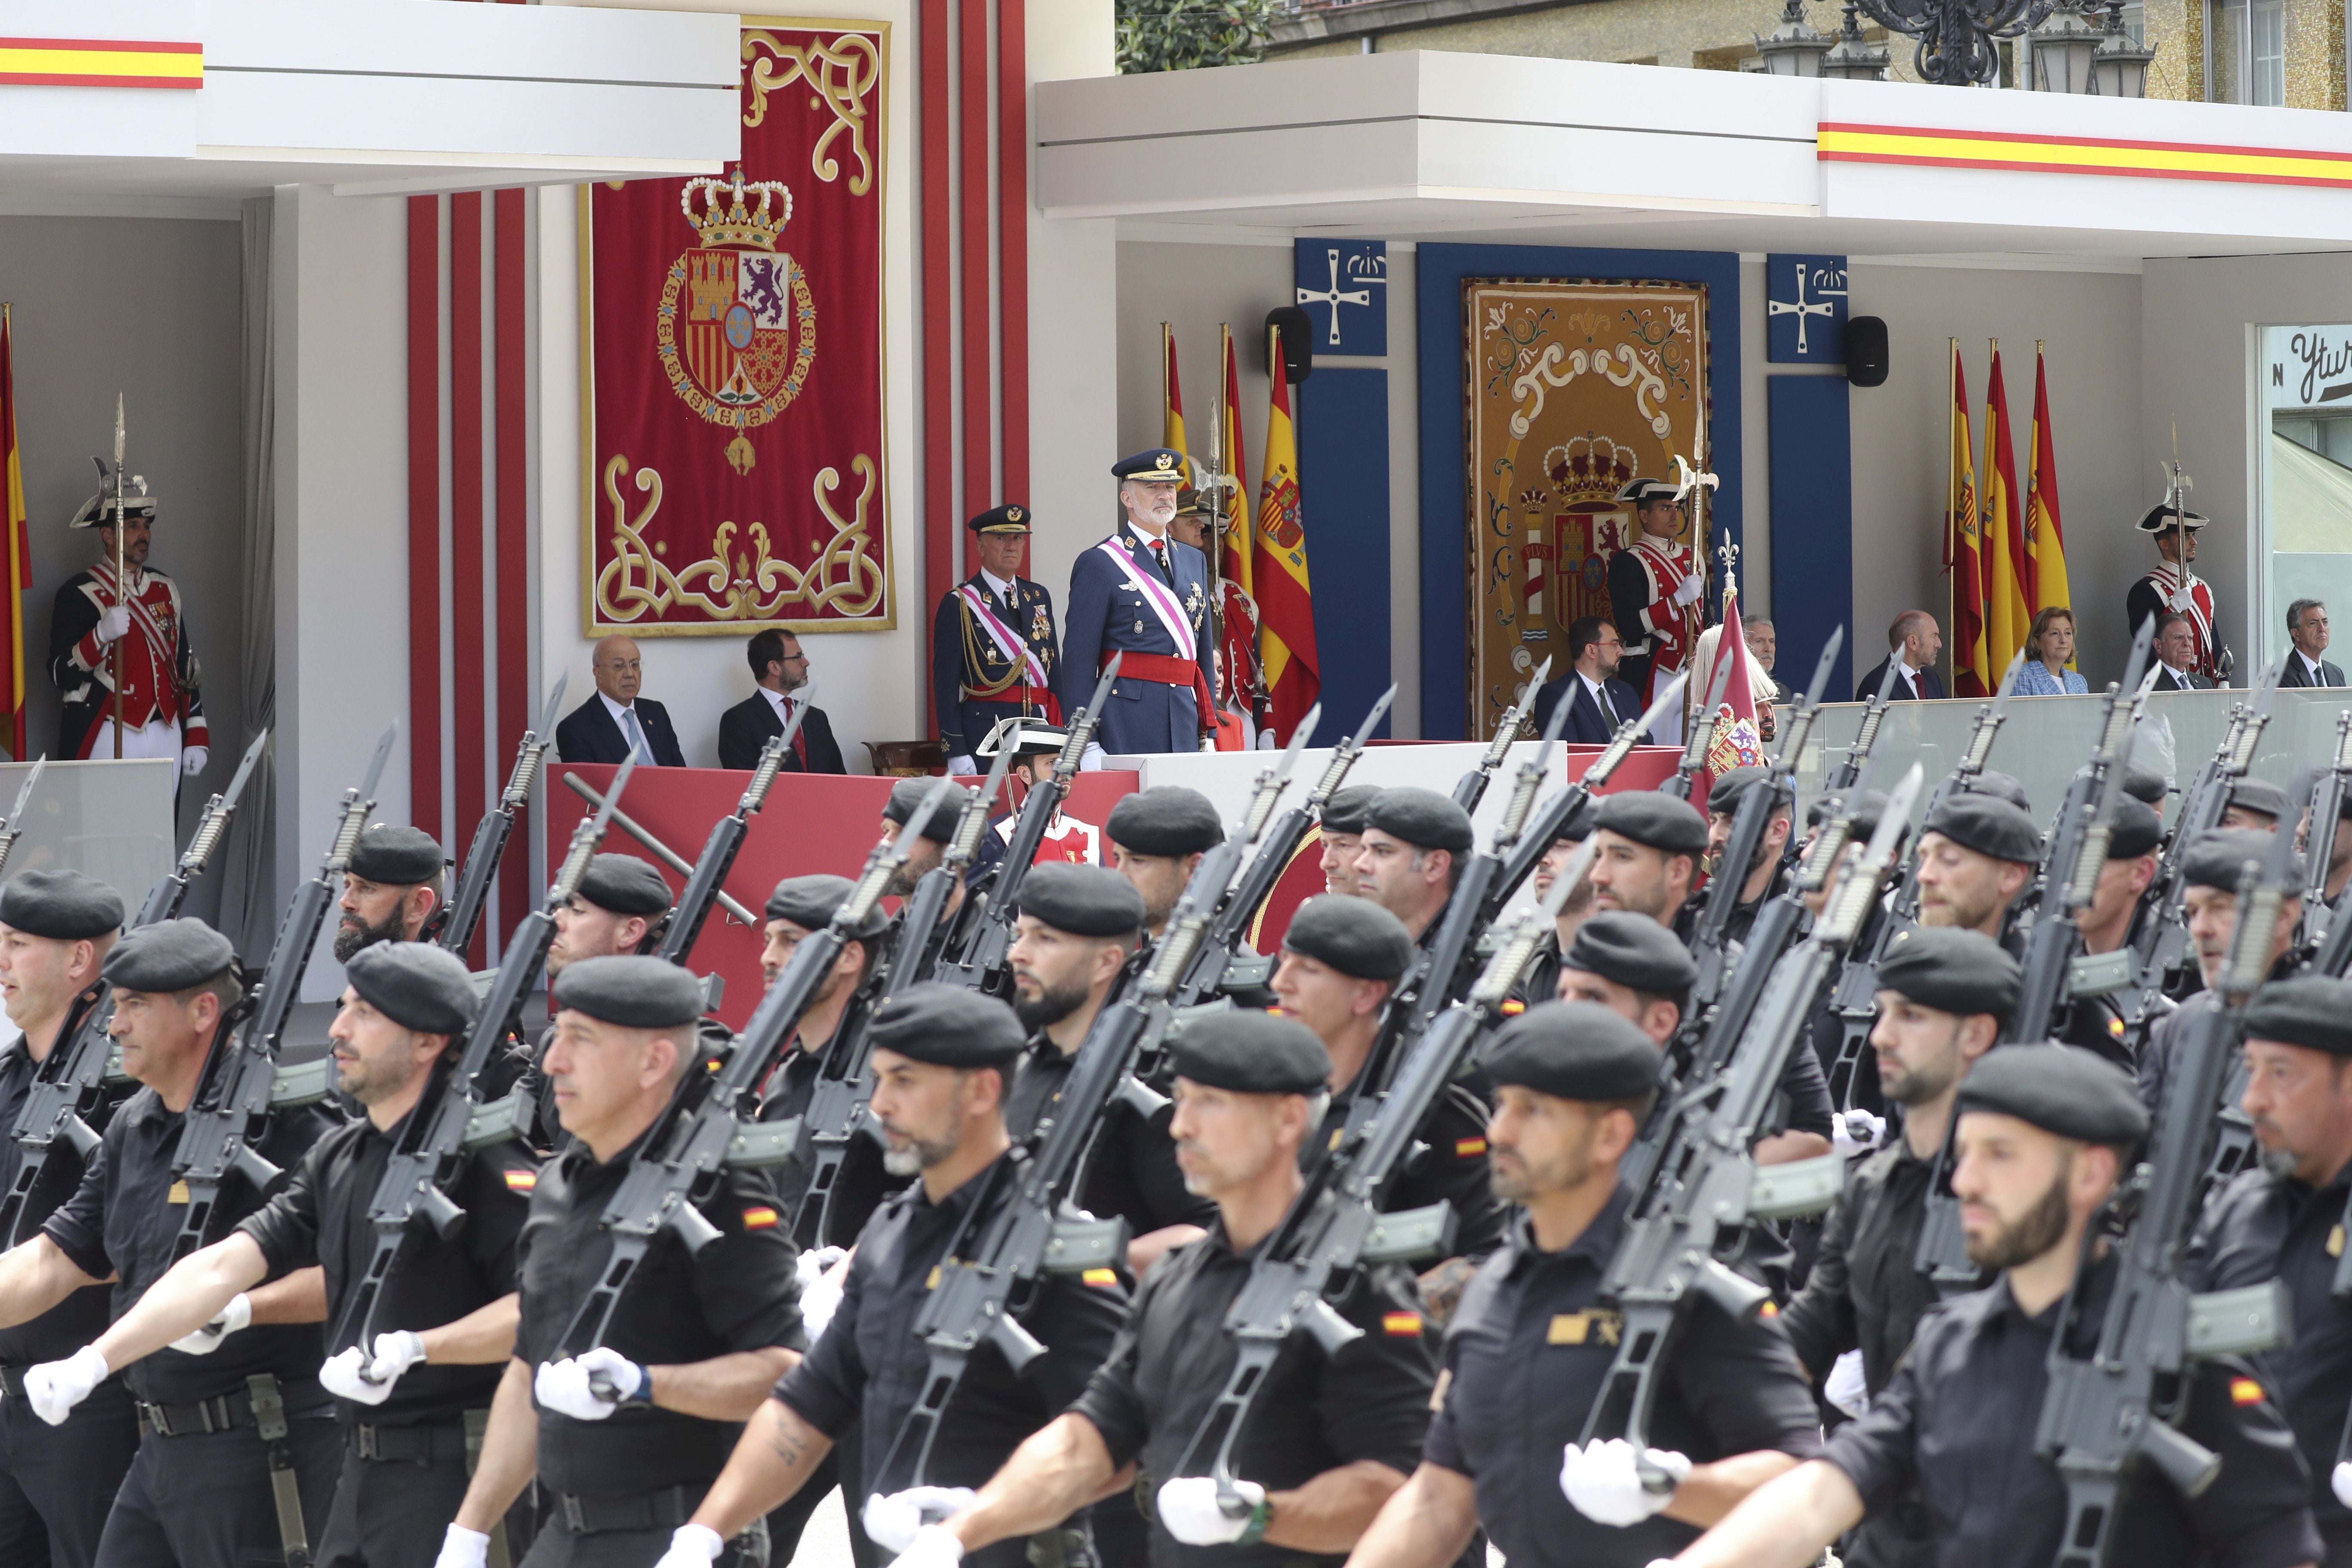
(637, 737)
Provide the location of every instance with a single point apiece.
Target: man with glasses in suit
(616, 722)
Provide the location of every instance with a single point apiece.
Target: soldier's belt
(1036, 695)
(1160, 668)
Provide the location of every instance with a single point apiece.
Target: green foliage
(1179, 34)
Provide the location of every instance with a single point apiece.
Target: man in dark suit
(780, 668)
(1597, 700)
(2177, 653)
(1145, 596)
(616, 720)
(2306, 627)
(1913, 642)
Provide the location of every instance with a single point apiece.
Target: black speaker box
(1865, 350)
(1297, 339)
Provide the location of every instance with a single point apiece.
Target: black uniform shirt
(870, 1364)
(1131, 1170)
(741, 1293)
(1527, 1354)
(1450, 1165)
(2262, 1228)
(1312, 1414)
(1957, 1425)
(2156, 1057)
(1539, 982)
(859, 1184)
(321, 1216)
(1865, 1292)
(124, 1217)
(81, 1317)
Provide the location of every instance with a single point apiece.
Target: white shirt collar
(618, 711)
(776, 700)
(996, 586)
(2309, 663)
(2180, 676)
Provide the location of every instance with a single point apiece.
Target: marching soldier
(1145, 596)
(798, 909)
(993, 655)
(1156, 838)
(2254, 802)
(1341, 831)
(1655, 587)
(1540, 980)
(2210, 868)
(2171, 586)
(413, 1399)
(2045, 1135)
(1766, 872)
(1647, 862)
(1528, 1354)
(394, 886)
(620, 908)
(236, 1456)
(55, 930)
(1977, 857)
(162, 702)
(932, 837)
(1415, 842)
(2096, 1023)
(1331, 1435)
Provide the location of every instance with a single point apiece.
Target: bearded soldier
(1652, 587)
(162, 708)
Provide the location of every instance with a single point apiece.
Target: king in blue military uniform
(993, 649)
(1145, 596)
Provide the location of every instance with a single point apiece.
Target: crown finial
(726, 219)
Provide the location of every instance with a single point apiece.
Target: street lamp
(1794, 47)
(2119, 67)
(2063, 49)
(1854, 58)
(1957, 38)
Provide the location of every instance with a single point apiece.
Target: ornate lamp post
(2063, 49)
(1957, 38)
(1794, 47)
(1854, 58)
(2119, 67)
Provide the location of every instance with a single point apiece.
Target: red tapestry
(732, 364)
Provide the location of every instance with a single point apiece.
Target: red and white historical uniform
(162, 708)
(1642, 581)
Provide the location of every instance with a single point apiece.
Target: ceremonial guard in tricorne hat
(162, 706)
(1653, 587)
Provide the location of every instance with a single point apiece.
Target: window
(2249, 51)
(2304, 538)
(2267, 54)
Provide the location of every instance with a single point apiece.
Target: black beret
(1354, 936)
(1010, 518)
(907, 798)
(1169, 820)
(2145, 784)
(1867, 810)
(2060, 1089)
(396, 856)
(1576, 1050)
(1348, 809)
(624, 885)
(2136, 831)
(1632, 950)
(1723, 795)
(168, 955)
(63, 905)
(2217, 856)
(948, 1027)
(2002, 786)
(2258, 795)
(810, 902)
(1577, 825)
(1251, 1053)
(1988, 825)
(635, 993)
(1423, 818)
(1660, 821)
(417, 985)
(1085, 901)
(2310, 1010)
(1952, 970)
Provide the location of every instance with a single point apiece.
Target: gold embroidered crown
(725, 220)
(1588, 471)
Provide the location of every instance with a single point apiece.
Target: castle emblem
(737, 325)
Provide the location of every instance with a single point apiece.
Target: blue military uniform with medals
(974, 682)
(1156, 704)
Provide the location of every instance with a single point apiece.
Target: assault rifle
(915, 953)
(719, 851)
(2123, 1402)
(14, 827)
(431, 1152)
(1471, 787)
(242, 1084)
(2327, 802)
(1559, 809)
(1866, 736)
(1695, 1208)
(1702, 734)
(489, 845)
(1335, 1226)
(164, 899)
(701, 1134)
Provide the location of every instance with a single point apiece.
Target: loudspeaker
(1297, 341)
(1865, 350)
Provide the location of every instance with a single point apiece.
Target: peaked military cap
(1866, 812)
(2260, 796)
(2062, 1089)
(169, 955)
(1156, 465)
(2216, 857)
(1349, 809)
(1085, 901)
(948, 1027)
(1723, 796)
(62, 905)
(1574, 1050)
(1988, 825)
(1354, 936)
(633, 992)
(2145, 784)
(396, 855)
(1638, 492)
(624, 885)
(418, 986)
(810, 902)
(1660, 821)
(1952, 970)
(1632, 950)
(1422, 818)
(2136, 831)
(2310, 1010)
(2002, 786)
(2157, 519)
(1251, 1053)
(1010, 518)
(907, 798)
(1165, 820)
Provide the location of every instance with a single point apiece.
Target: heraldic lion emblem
(737, 325)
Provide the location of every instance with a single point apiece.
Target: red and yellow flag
(2007, 619)
(1172, 418)
(2045, 540)
(1738, 740)
(1963, 541)
(19, 543)
(1236, 556)
(1286, 606)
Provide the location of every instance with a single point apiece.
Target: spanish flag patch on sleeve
(521, 1181)
(1401, 1325)
(1513, 1007)
(1469, 1148)
(2245, 1391)
(759, 1219)
(1100, 1276)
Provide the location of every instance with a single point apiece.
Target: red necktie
(1159, 553)
(800, 741)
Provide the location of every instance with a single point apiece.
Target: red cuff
(89, 653)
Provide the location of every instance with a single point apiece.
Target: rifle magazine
(1410, 1235)
(762, 1145)
(1080, 1245)
(1799, 1190)
(2245, 1321)
(305, 1085)
(496, 1122)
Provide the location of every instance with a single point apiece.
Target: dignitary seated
(2306, 627)
(780, 668)
(616, 720)
(2048, 647)
(2177, 655)
(1912, 644)
(1597, 700)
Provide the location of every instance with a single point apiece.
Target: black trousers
(56, 1483)
(557, 1547)
(203, 1500)
(393, 1513)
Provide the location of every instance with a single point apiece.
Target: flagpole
(1952, 508)
(121, 588)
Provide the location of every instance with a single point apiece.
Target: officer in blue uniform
(975, 681)
(1144, 595)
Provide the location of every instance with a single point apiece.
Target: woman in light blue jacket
(2048, 646)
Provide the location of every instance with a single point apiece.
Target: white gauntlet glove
(565, 1387)
(1856, 1132)
(2339, 1481)
(1689, 588)
(236, 1315)
(1188, 1507)
(1845, 1387)
(1090, 761)
(193, 760)
(463, 1548)
(933, 1547)
(1604, 1483)
(55, 1387)
(368, 1379)
(962, 764)
(692, 1546)
(892, 1523)
(113, 623)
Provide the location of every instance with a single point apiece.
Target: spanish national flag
(2007, 619)
(1236, 556)
(1285, 607)
(20, 546)
(2045, 540)
(1172, 418)
(1963, 538)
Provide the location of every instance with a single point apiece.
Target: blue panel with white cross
(1804, 320)
(1344, 285)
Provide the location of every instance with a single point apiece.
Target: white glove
(962, 765)
(2339, 1481)
(819, 1299)
(813, 1263)
(355, 1376)
(1856, 1132)
(236, 1315)
(1090, 761)
(463, 1548)
(1601, 1481)
(55, 1387)
(1844, 1387)
(892, 1523)
(1689, 588)
(692, 1546)
(396, 1352)
(193, 760)
(1266, 740)
(563, 1387)
(2181, 599)
(1188, 1507)
(934, 1546)
(113, 623)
